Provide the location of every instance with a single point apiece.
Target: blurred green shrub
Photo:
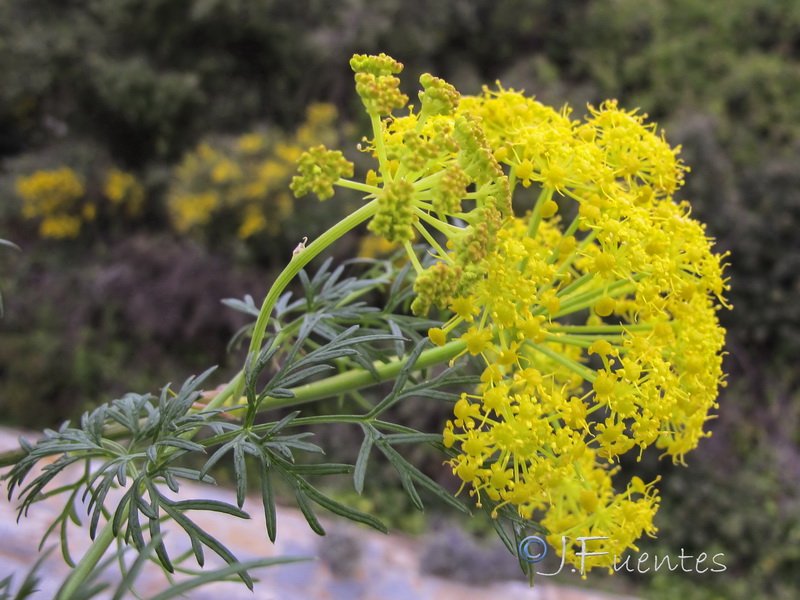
(138, 110)
(81, 328)
(146, 78)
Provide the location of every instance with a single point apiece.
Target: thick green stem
(234, 387)
(301, 260)
(89, 561)
(346, 382)
(360, 378)
(319, 390)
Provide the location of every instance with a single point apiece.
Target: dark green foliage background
(138, 82)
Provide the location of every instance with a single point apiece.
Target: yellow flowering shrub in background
(61, 202)
(56, 198)
(124, 190)
(372, 246)
(243, 182)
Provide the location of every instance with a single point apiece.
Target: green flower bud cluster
(379, 65)
(442, 282)
(376, 83)
(438, 97)
(476, 157)
(395, 216)
(319, 169)
(478, 240)
(424, 152)
(451, 189)
(418, 151)
(502, 197)
(436, 285)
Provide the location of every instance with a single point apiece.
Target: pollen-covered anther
(549, 209)
(604, 383)
(604, 264)
(601, 347)
(477, 340)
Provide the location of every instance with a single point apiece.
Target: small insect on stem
(300, 247)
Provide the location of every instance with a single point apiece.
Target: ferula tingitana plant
(590, 311)
(593, 309)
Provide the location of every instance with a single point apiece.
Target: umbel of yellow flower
(593, 309)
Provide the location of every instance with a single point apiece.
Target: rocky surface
(350, 563)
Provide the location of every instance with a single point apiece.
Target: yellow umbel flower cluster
(594, 313)
(61, 202)
(598, 327)
(244, 180)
